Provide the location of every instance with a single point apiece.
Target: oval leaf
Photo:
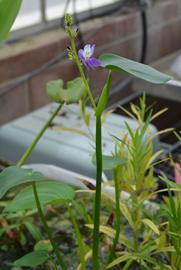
(144, 72)
(33, 229)
(43, 245)
(74, 92)
(32, 259)
(110, 162)
(48, 191)
(13, 176)
(8, 12)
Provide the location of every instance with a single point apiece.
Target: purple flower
(85, 55)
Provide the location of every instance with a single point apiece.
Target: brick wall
(120, 35)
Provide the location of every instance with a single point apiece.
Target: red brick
(33, 57)
(14, 103)
(38, 95)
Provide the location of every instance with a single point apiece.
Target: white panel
(55, 8)
(29, 14)
(68, 150)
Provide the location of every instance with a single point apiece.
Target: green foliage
(32, 228)
(48, 192)
(110, 162)
(32, 259)
(172, 213)
(8, 12)
(136, 231)
(104, 96)
(150, 224)
(43, 245)
(117, 63)
(125, 257)
(73, 93)
(13, 176)
(85, 116)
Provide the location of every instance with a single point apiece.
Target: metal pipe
(43, 10)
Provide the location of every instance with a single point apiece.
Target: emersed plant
(135, 236)
(8, 12)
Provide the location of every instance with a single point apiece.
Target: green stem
(118, 217)
(48, 230)
(38, 137)
(21, 162)
(69, 31)
(97, 202)
(79, 239)
(136, 243)
(136, 218)
(53, 264)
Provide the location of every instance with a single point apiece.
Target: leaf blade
(110, 162)
(73, 93)
(104, 96)
(48, 191)
(151, 225)
(32, 259)
(142, 71)
(13, 176)
(8, 12)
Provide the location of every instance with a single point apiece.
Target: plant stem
(33, 144)
(118, 217)
(40, 212)
(79, 238)
(48, 230)
(97, 201)
(78, 63)
(53, 264)
(136, 218)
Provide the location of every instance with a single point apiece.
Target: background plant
(139, 154)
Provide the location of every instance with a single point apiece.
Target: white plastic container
(64, 149)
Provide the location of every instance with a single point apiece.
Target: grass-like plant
(139, 233)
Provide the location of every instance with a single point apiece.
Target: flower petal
(92, 50)
(86, 64)
(81, 55)
(90, 64)
(95, 62)
(87, 47)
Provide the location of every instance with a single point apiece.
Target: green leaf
(73, 93)
(150, 224)
(144, 72)
(126, 213)
(43, 245)
(121, 259)
(8, 12)
(104, 96)
(111, 233)
(73, 130)
(32, 259)
(48, 192)
(33, 229)
(165, 249)
(110, 162)
(54, 88)
(13, 176)
(170, 183)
